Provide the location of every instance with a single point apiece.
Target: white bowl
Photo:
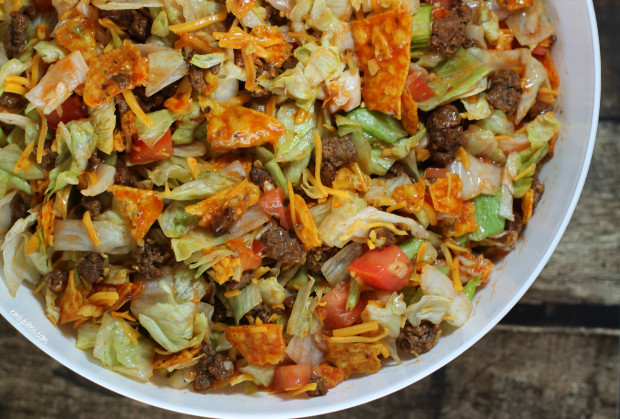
(577, 49)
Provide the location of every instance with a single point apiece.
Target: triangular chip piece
(140, 209)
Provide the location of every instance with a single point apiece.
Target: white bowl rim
(318, 409)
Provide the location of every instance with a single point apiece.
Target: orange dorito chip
(332, 375)
(238, 198)
(465, 222)
(140, 208)
(355, 357)
(111, 73)
(259, 344)
(232, 127)
(305, 227)
(409, 115)
(446, 194)
(412, 195)
(227, 268)
(47, 222)
(78, 34)
(471, 266)
(513, 5)
(382, 43)
(239, 8)
(70, 302)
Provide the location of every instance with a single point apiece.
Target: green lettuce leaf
(487, 217)
(12, 67)
(296, 143)
(390, 316)
(193, 117)
(162, 121)
(248, 298)
(174, 221)
(103, 120)
(116, 350)
(9, 156)
(49, 51)
(454, 79)
(202, 188)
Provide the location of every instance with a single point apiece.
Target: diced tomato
(257, 247)
(446, 4)
(441, 8)
(291, 376)
(435, 172)
(387, 269)
(44, 5)
(539, 50)
(249, 259)
(335, 308)
(418, 88)
(142, 153)
(272, 202)
(72, 109)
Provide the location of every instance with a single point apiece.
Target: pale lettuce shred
(103, 120)
(116, 349)
(13, 67)
(16, 265)
(390, 316)
(166, 308)
(49, 51)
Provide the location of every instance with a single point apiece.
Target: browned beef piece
(48, 161)
(539, 188)
(472, 43)
(94, 161)
(57, 280)
(219, 311)
(93, 267)
(274, 16)
(140, 27)
(245, 279)
(16, 35)
(446, 134)
(122, 80)
(122, 18)
(197, 78)
(19, 209)
(12, 100)
(121, 103)
(264, 312)
(92, 204)
(317, 256)
(263, 72)
(124, 176)
(384, 238)
(395, 170)
(516, 225)
(417, 339)
(259, 176)
(337, 152)
(504, 92)
(281, 245)
(321, 387)
(465, 12)
(150, 103)
(448, 33)
(289, 301)
(149, 259)
(539, 108)
(210, 368)
(222, 222)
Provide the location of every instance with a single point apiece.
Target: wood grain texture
(586, 264)
(607, 14)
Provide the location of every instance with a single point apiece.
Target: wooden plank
(607, 12)
(585, 266)
(555, 373)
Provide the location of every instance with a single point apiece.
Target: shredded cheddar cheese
(359, 339)
(135, 108)
(430, 213)
(270, 107)
(90, 227)
(194, 25)
(357, 329)
(240, 379)
(421, 252)
(42, 134)
(301, 116)
(15, 88)
(23, 163)
(456, 275)
(219, 327)
(396, 207)
(307, 387)
(193, 167)
(110, 25)
(34, 72)
(242, 99)
(291, 194)
(464, 158)
(389, 226)
(23, 81)
(528, 170)
(232, 293)
(527, 205)
(39, 288)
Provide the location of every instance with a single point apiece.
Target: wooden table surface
(555, 355)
